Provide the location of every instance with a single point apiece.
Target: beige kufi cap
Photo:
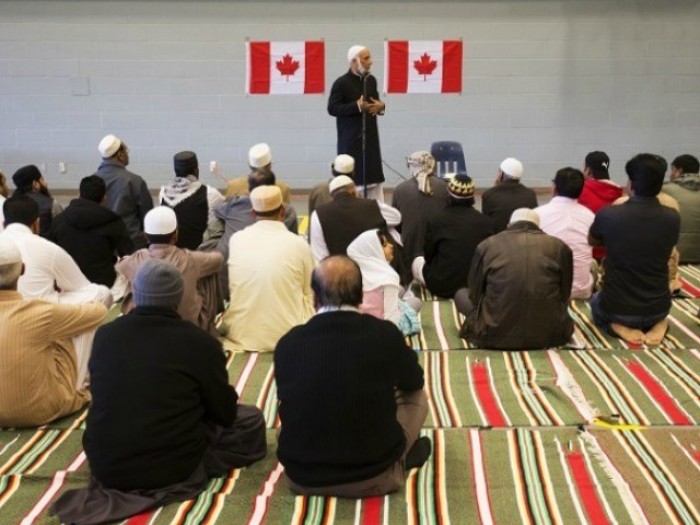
(266, 198)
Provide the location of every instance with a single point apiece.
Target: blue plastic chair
(449, 157)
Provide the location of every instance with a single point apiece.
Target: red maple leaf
(287, 66)
(425, 66)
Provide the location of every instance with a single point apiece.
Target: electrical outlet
(213, 166)
(62, 168)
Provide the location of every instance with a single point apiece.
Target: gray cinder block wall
(545, 81)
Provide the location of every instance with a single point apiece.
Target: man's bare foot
(631, 335)
(654, 336)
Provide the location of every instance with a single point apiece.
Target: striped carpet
(596, 433)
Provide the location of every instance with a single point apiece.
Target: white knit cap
(259, 155)
(354, 51)
(339, 182)
(512, 167)
(9, 253)
(161, 220)
(525, 214)
(344, 164)
(108, 146)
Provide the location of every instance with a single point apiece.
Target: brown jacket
(199, 301)
(519, 284)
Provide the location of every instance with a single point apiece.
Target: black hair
(569, 182)
(646, 171)
(93, 188)
(20, 209)
(686, 163)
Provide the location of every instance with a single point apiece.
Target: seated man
(636, 299)
(193, 202)
(321, 194)
(38, 366)
(92, 233)
(237, 213)
(564, 218)
(30, 182)
(259, 159)
(269, 272)
(199, 303)
(164, 418)
(418, 199)
(451, 237)
(507, 195)
(350, 427)
(50, 273)
(684, 186)
(519, 287)
(336, 224)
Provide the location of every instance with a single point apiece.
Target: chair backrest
(449, 157)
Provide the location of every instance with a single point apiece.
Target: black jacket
(451, 237)
(501, 201)
(336, 379)
(342, 104)
(92, 235)
(346, 217)
(519, 283)
(157, 381)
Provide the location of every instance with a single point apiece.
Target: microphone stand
(364, 135)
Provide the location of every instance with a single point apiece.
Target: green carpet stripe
(618, 401)
(535, 493)
(674, 495)
(527, 378)
(679, 370)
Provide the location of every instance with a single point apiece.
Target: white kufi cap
(512, 167)
(339, 182)
(354, 51)
(161, 220)
(259, 155)
(108, 146)
(344, 164)
(525, 214)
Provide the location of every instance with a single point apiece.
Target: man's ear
(36, 226)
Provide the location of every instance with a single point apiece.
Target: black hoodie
(92, 235)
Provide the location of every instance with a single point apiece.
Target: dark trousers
(229, 447)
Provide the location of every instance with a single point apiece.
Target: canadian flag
(423, 66)
(285, 67)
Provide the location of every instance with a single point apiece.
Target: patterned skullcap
(461, 186)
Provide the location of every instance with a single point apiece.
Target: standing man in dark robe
(353, 94)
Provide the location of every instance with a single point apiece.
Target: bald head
(337, 281)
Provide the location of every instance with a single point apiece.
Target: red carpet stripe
(659, 393)
(689, 288)
(372, 511)
(586, 489)
(487, 399)
(141, 519)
